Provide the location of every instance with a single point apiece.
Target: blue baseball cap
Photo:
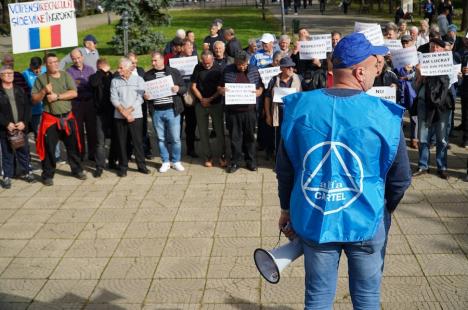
(354, 48)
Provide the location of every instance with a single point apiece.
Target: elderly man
(251, 48)
(127, 92)
(241, 118)
(56, 89)
(284, 43)
(82, 106)
(391, 31)
(206, 78)
(89, 52)
(336, 194)
(336, 37)
(232, 43)
(166, 114)
(263, 57)
(219, 55)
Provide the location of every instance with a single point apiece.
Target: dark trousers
(145, 136)
(464, 117)
(8, 158)
(190, 127)
(122, 131)
(52, 136)
(85, 114)
(104, 131)
(241, 126)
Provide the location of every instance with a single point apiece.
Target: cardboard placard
(384, 92)
(433, 64)
(42, 25)
(184, 64)
(405, 56)
(159, 88)
(267, 73)
(240, 93)
(316, 49)
(280, 92)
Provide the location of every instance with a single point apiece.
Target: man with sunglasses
(342, 168)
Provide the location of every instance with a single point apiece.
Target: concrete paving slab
(121, 290)
(192, 229)
(19, 290)
(80, 268)
(46, 248)
(67, 291)
(92, 248)
(140, 248)
(147, 230)
(443, 264)
(188, 247)
(130, 268)
(433, 244)
(103, 230)
(175, 291)
(11, 247)
(230, 291)
(30, 268)
(450, 288)
(182, 268)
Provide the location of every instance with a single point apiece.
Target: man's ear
(359, 73)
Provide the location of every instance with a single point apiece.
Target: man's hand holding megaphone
(284, 224)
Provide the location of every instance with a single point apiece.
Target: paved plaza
(184, 240)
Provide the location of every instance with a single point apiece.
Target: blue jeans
(167, 127)
(365, 268)
(440, 128)
(8, 158)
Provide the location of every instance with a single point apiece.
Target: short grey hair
(413, 28)
(219, 43)
(125, 62)
(180, 33)
(284, 37)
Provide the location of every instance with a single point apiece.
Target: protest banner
(280, 92)
(316, 49)
(407, 6)
(240, 93)
(358, 27)
(440, 63)
(267, 73)
(405, 56)
(374, 35)
(454, 76)
(327, 37)
(393, 44)
(384, 92)
(185, 65)
(159, 88)
(42, 25)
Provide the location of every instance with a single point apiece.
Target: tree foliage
(142, 15)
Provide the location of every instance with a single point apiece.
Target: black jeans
(104, 130)
(190, 127)
(464, 117)
(51, 138)
(122, 129)
(241, 126)
(85, 114)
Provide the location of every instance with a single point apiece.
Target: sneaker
(178, 166)
(7, 183)
(48, 182)
(29, 178)
(165, 167)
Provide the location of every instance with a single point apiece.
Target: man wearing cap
(89, 52)
(435, 102)
(336, 193)
(263, 57)
(30, 75)
(232, 43)
(456, 41)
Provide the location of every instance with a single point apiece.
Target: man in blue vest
(342, 168)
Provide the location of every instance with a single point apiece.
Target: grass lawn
(247, 22)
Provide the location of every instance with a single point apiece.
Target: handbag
(16, 139)
(189, 98)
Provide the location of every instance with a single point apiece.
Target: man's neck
(55, 74)
(79, 67)
(7, 85)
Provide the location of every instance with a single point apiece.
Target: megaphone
(271, 263)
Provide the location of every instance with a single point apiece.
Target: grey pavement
(184, 240)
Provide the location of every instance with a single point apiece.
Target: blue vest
(341, 149)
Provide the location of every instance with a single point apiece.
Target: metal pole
(283, 20)
(125, 29)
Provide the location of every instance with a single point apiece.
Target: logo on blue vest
(332, 177)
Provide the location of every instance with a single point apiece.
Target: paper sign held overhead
(240, 93)
(42, 25)
(440, 63)
(327, 37)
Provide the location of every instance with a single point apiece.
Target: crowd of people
(80, 101)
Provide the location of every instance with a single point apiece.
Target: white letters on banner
(327, 37)
(184, 64)
(393, 44)
(42, 25)
(405, 56)
(440, 63)
(454, 76)
(240, 93)
(384, 92)
(159, 88)
(316, 49)
(280, 92)
(267, 73)
(374, 35)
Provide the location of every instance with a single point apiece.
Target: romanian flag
(45, 37)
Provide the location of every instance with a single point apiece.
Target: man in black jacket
(15, 114)
(166, 112)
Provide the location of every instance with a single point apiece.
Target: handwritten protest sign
(184, 64)
(404, 56)
(240, 93)
(280, 92)
(384, 92)
(374, 35)
(393, 44)
(42, 25)
(454, 76)
(267, 73)
(159, 88)
(440, 63)
(316, 49)
(327, 37)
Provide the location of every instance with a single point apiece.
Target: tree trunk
(464, 25)
(390, 7)
(5, 17)
(83, 7)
